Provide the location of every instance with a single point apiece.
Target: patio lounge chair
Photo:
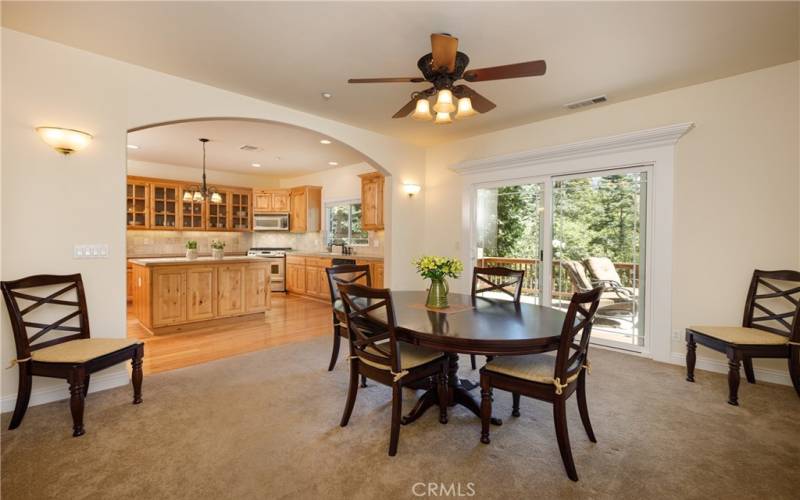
(613, 304)
(606, 275)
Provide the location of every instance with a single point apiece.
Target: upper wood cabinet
(193, 213)
(164, 206)
(219, 218)
(271, 201)
(372, 201)
(305, 209)
(138, 205)
(242, 210)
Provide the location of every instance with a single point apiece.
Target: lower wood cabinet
(171, 295)
(296, 276)
(307, 276)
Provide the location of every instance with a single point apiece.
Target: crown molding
(654, 137)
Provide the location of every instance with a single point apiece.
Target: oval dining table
(472, 325)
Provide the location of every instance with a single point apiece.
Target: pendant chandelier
(203, 192)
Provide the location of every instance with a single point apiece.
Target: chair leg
(515, 407)
(748, 370)
(472, 361)
(76, 378)
(442, 393)
(486, 409)
(583, 407)
(397, 410)
(136, 375)
(691, 357)
(560, 417)
(23, 394)
(733, 379)
(352, 392)
(336, 342)
(794, 368)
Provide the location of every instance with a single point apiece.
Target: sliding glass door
(572, 233)
(509, 232)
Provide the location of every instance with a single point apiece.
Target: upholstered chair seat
(411, 356)
(81, 350)
(533, 367)
(741, 335)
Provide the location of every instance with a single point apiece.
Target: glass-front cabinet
(218, 219)
(137, 201)
(164, 206)
(241, 210)
(192, 212)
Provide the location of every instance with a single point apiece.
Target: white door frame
(654, 147)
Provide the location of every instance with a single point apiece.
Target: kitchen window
(343, 224)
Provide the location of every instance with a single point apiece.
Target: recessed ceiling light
(326, 95)
(256, 164)
(133, 146)
(324, 141)
(333, 163)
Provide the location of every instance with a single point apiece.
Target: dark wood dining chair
(501, 279)
(376, 351)
(549, 378)
(73, 355)
(346, 274)
(770, 329)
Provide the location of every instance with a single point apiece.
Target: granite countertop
(183, 254)
(172, 261)
(335, 255)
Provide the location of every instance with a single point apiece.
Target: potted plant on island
(217, 249)
(191, 249)
(437, 269)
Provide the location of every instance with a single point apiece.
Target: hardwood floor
(291, 319)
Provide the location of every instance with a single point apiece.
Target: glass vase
(437, 294)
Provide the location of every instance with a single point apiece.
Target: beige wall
(80, 199)
(736, 182)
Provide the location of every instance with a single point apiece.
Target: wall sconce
(411, 189)
(64, 140)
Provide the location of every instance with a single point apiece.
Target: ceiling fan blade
(479, 103)
(443, 50)
(407, 109)
(519, 70)
(410, 79)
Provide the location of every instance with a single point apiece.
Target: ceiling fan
(443, 67)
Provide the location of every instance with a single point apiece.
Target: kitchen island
(171, 292)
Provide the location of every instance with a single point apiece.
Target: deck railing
(562, 285)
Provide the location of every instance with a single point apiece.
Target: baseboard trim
(100, 382)
(764, 374)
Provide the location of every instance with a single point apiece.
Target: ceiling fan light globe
(444, 102)
(422, 111)
(465, 109)
(442, 119)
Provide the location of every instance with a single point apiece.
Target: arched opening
(282, 201)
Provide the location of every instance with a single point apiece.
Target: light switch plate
(90, 251)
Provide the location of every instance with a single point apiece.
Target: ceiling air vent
(586, 102)
(248, 147)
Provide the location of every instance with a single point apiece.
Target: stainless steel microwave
(271, 222)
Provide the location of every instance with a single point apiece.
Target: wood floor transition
(291, 319)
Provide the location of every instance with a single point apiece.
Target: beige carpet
(265, 425)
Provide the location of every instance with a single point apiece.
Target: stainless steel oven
(271, 222)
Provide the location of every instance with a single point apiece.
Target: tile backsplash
(167, 243)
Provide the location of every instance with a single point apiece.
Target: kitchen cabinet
(201, 283)
(138, 204)
(164, 206)
(169, 289)
(271, 201)
(305, 209)
(372, 201)
(306, 275)
(129, 282)
(176, 292)
(241, 210)
(317, 278)
(231, 288)
(375, 272)
(193, 213)
(218, 218)
(296, 274)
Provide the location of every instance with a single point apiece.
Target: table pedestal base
(458, 395)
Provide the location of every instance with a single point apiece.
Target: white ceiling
(299, 150)
(289, 52)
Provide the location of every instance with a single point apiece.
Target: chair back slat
(371, 324)
(773, 303)
(501, 279)
(571, 355)
(347, 274)
(48, 308)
